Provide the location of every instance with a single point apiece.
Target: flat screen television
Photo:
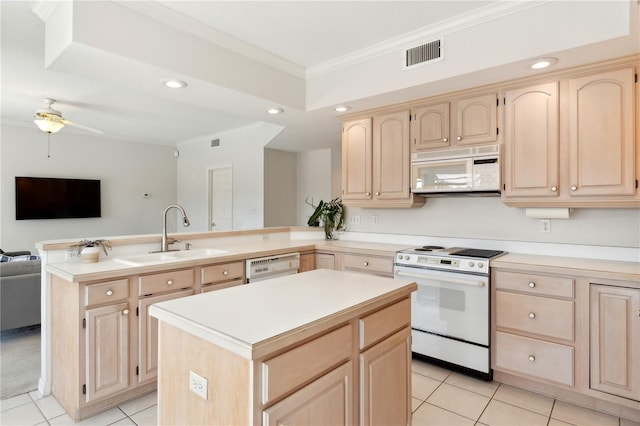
(57, 198)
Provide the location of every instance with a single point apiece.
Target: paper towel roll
(548, 212)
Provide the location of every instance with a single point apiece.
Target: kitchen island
(321, 347)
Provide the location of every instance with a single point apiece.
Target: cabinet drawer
(369, 264)
(224, 272)
(534, 284)
(377, 326)
(288, 371)
(220, 286)
(166, 281)
(533, 314)
(108, 292)
(536, 358)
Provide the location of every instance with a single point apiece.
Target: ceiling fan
(50, 120)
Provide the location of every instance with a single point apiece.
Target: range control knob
(480, 265)
(471, 264)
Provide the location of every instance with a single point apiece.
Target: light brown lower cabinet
(357, 371)
(568, 334)
(615, 340)
(325, 261)
(307, 262)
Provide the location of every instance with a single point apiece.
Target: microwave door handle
(439, 278)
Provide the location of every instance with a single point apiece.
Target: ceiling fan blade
(81, 126)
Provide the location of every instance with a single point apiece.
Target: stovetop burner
(482, 254)
(429, 248)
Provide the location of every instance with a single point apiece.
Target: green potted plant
(332, 216)
(89, 250)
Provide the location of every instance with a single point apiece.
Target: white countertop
(240, 317)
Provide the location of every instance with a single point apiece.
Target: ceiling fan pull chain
(48, 145)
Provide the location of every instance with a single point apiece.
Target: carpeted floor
(19, 361)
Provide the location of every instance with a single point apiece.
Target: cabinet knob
(169, 282)
(109, 292)
(225, 273)
(125, 312)
(532, 358)
(532, 284)
(445, 139)
(366, 263)
(532, 315)
(377, 193)
(367, 194)
(459, 138)
(554, 188)
(573, 188)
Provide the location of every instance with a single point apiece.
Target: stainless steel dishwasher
(264, 268)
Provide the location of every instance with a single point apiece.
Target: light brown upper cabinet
(474, 122)
(430, 127)
(571, 143)
(601, 134)
(357, 160)
(376, 162)
(531, 147)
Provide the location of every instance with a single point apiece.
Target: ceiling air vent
(423, 54)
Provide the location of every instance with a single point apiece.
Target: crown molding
(423, 35)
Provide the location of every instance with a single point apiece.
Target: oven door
(449, 304)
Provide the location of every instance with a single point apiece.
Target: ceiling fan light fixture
(174, 84)
(48, 126)
(541, 63)
(275, 111)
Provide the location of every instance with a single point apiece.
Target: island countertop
(252, 319)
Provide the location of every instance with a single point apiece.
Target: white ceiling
(304, 57)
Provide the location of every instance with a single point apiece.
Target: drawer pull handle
(169, 282)
(554, 188)
(459, 138)
(225, 273)
(532, 358)
(125, 312)
(573, 187)
(532, 284)
(367, 194)
(445, 139)
(366, 263)
(109, 292)
(532, 315)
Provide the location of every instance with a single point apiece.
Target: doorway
(220, 186)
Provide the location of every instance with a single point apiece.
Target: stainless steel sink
(170, 256)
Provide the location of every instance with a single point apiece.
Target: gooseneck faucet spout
(185, 221)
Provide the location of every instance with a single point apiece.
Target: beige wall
(280, 187)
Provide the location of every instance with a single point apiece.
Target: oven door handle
(439, 278)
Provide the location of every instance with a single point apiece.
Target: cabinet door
(615, 340)
(326, 401)
(357, 160)
(148, 335)
(531, 141)
(307, 262)
(476, 120)
(430, 127)
(385, 382)
(325, 261)
(107, 351)
(601, 134)
(391, 156)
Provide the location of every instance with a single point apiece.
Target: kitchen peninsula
(320, 346)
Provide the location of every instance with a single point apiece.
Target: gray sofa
(19, 293)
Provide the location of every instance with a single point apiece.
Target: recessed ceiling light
(174, 84)
(275, 110)
(342, 108)
(543, 63)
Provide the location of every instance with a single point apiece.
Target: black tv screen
(56, 198)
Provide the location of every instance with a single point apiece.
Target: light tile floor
(439, 397)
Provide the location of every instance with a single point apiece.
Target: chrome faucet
(185, 221)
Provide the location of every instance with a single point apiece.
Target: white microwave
(456, 170)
